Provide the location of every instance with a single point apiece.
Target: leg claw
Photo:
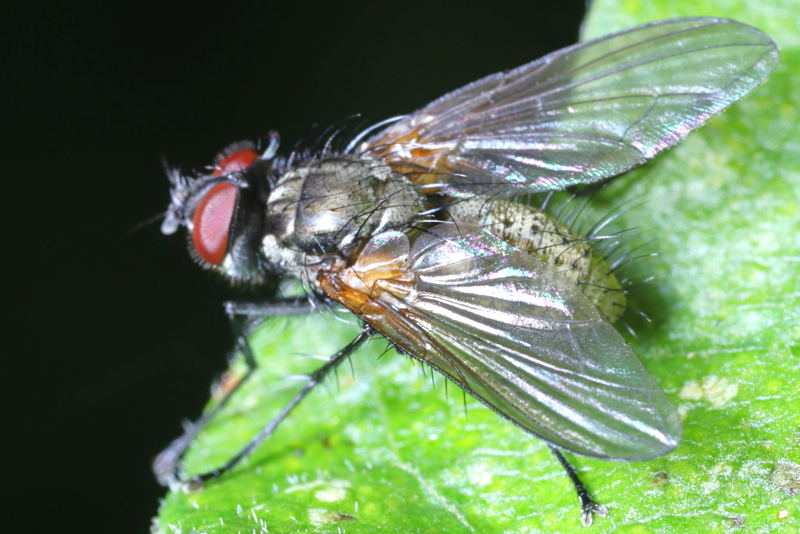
(192, 485)
(588, 509)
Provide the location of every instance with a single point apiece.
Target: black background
(115, 336)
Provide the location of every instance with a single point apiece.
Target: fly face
(414, 228)
(223, 211)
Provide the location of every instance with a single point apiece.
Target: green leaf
(387, 450)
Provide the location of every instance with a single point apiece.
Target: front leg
(314, 379)
(244, 317)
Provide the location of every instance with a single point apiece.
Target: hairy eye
(212, 222)
(236, 160)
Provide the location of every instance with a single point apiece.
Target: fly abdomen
(538, 233)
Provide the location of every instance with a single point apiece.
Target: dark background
(115, 336)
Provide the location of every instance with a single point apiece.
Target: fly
(415, 228)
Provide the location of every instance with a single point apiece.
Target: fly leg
(314, 380)
(166, 464)
(589, 506)
(256, 312)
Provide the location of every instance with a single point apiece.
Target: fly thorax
(287, 260)
(329, 205)
(380, 278)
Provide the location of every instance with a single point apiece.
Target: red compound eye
(235, 161)
(212, 222)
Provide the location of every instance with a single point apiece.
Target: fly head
(223, 209)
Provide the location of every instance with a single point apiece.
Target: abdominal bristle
(625, 249)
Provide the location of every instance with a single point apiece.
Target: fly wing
(580, 114)
(506, 327)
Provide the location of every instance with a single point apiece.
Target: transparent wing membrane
(583, 113)
(508, 329)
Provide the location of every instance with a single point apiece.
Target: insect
(415, 227)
